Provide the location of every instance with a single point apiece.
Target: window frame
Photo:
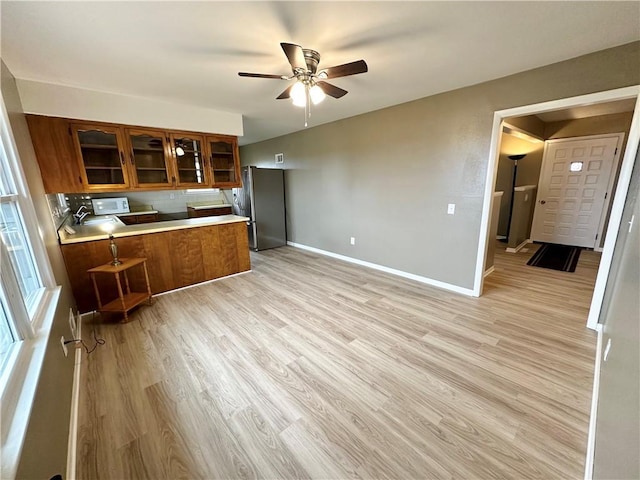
(24, 359)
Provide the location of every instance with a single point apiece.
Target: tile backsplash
(165, 201)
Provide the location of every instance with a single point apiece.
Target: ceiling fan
(310, 85)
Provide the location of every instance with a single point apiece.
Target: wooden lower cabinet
(175, 259)
(208, 212)
(135, 219)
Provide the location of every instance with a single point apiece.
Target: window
(28, 300)
(22, 286)
(7, 338)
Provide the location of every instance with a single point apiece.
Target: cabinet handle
(133, 162)
(79, 179)
(122, 158)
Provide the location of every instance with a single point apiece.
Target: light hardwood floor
(309, 367)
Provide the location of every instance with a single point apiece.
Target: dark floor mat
(557, 257)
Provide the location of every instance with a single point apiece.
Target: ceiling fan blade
(263, 75)
(351, 68)
(332, 90)
(295, 55)
(286, 93)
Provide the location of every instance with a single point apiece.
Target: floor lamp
(515, 159)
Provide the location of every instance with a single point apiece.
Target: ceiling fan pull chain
(307, 106)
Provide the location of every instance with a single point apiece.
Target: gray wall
(528, 171)
(45, 449)
(614, 123)
(617, 447)
(523, 203)
(386, 177)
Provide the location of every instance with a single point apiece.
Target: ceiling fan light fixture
(317, 94)
(299, 94)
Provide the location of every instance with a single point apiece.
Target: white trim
(18, 396)
(490, 270)
(524, 188)
(520, 133)
(591, 438)
(201, 283)
(619, 198)
(487, 204)
(519, 247)
(615, 218)
(27, 210)
(72, 444)
(611, 187)
(382, 268)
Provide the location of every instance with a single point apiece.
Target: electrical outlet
(279, 158)
(451, 209)
(64, 346)
(353, 240)
(172, 196)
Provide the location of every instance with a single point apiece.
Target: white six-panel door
(571, 195)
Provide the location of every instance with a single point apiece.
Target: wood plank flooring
(309, 367)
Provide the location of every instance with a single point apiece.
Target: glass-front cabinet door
(101, 155)
(148, 156)
(225, 161)
(191, 167)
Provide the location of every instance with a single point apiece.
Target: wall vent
(279, 157)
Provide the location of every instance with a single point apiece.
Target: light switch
(451, 209)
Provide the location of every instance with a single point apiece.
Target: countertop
(89, 233)
(137, 212)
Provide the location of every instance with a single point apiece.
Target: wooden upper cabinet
(224, 160)
(82, 156)
(100, 155)
(149, 157)
(190, 163)
(53, 144)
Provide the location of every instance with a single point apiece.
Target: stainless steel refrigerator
(261, 198)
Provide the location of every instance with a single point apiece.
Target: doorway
(628, 93)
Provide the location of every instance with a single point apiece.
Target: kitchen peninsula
(179, 253)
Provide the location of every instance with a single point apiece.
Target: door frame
(610, 181)
(621, 189)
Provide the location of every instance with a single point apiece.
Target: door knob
(542, 202)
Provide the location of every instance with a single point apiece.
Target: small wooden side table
(125, 301)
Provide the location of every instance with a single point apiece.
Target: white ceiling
(191, 51)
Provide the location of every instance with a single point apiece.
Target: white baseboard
(72, 445)
(519, 247)
(489, 270)
(382, 268)
(591, 438)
